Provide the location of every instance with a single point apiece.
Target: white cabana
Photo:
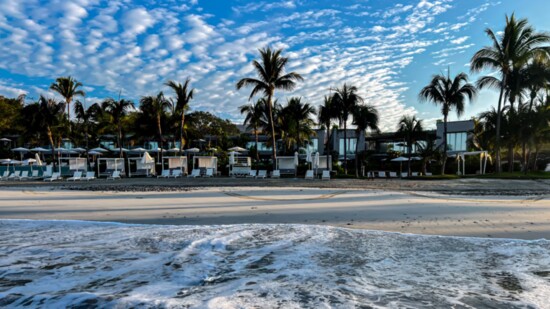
(141, 166)
(175, 163)
(461, 157)
(204, 162)
(286, 165)
(239, 165)
(78, 164)
(105, 166)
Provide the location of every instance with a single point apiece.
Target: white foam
(67, 263)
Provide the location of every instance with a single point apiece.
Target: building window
(457, 141)
(313, 146)
(262, 146)
(351, 145)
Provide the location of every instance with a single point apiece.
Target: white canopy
(147, 159)
(237, 148)
(193, 150)
(99, 149)
(400, 159)
(40, 149)
(20, 149)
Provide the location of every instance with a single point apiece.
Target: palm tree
(67, 87)
(50, 112)
(345, 100)
(271, 76)
(156, 105)
(450, 94)
(412, 129)
(253, 119)
(85, 116)
(427, 150)
(518, 44)
(117, 110)
(364, 117)
(325, 114)
(183, 96)
(295, 123)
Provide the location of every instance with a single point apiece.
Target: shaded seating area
(203, 163)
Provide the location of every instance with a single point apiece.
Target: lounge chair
(53, 177)
(325, 175)
(34, 175)
(381, 174)
(5, 175)
(164, 174)
(115, 175)
(209, 172)
(262, 174)
(89, 176)
(309, 174)
(414, 174)
(24, 176)
(251, 174)
(404, 175)
(14, 175)
(176, 173)
(195, 173)
(393, 175)
(77, 175)
(276, 174)
(428, 174)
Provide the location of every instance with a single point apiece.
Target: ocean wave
(87, 264)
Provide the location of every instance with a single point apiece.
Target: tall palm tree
(325, 115)
(364, 117)
(412, 129)
(345, 100)
(68, 88)
(295, 123)
(117, 110)
(86, 116)
(427, 150)
(253, 119)
(271, 76)
(50, 114)
(156, 105)
(515, 47)
(181, 105)
(450, 94)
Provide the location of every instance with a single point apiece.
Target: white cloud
(460, 40)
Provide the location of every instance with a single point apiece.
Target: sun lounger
(76, 176)
(428, 174)
(176, 173)
(404, 175)
(115, 175)
(262, 174)
(414, 174)
(251, 174)
(309, 174)
(15, 175)
(276, 174)
(209, 172)
(24, 176)
(325, 175)
(195, 173)
(89, 176)
(5, 175)
(381, 174)
(53, 177)
(34, 175)
(164, 174)
(393, 175)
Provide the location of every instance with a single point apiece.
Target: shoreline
(415, 212)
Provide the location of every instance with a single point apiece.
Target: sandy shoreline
(406, 211)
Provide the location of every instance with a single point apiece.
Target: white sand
(420, 213)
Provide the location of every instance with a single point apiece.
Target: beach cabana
(461, 158)
(106, 166)
(320, 163)
(239, 165)
(175, 163)
(286, 165)
(204, 162)
(141, 166)
(78, 164)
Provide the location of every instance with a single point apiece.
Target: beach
(472, 208)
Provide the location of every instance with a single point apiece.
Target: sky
(388, 49)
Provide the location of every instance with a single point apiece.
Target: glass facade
(313, 145)
(262, 146)
(351, 145)
(457, 141)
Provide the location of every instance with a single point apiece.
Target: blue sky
(388, 49)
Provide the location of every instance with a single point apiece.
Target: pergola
(175, 162)
(483, 156)
(204, 162)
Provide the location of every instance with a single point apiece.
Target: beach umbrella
(140, 150)
(316, 160)
(95, 153)
(79, 149)
(173, 150)
(39, 149)
(21, 151)
(3, 139)
(237, 148)
(400, 160)
(99, 149)
(192, 150)
(118, 150)
(38, 160)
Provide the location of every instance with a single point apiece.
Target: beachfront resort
(197, 159)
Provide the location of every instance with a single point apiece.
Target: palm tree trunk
(424, 169)
(120, 140)
(159, 129)
(497, 137)
(274, 145)
(50, 139)
(511, 157)
(443, 165)
(357, 156)
(181, 130)
(327, 147)
(345, 147)
(524, 157)
(257, 151)
(409, 149)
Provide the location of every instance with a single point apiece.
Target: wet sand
(521, 215)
